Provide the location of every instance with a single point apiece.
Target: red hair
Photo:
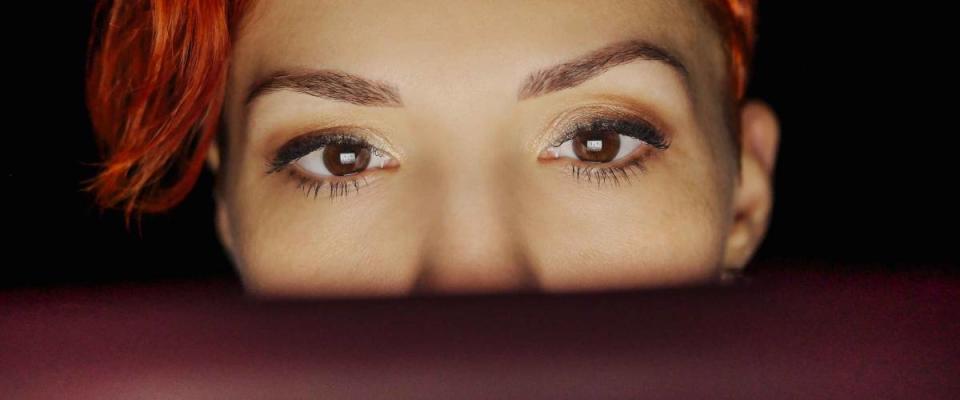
(736, 21)
(156, 76)
(155, 80)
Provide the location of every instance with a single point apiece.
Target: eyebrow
(579, 69)
(342, 86)
(331, 84)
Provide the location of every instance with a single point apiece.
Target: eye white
(313, 162)
(627, 145)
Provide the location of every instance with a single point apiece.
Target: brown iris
(597, 146)
(345, 159)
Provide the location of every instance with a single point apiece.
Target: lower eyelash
(311, 186)
(616, 174)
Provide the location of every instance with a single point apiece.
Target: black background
(864, 177)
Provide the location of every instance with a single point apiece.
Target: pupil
(345, 159)
(597, 146)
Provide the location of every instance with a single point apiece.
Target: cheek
(632, 250)
(293, 245)
(296, 260)
(647, 235)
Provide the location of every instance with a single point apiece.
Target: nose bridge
(473, 242)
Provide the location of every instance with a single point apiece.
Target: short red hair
(156, 76)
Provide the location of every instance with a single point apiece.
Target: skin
(470, 205)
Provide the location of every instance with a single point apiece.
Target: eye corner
(549, 153)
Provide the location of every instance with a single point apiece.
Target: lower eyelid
(613, 172)
(314, 186)
(638, 154)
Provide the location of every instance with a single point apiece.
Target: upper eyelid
(661, 142)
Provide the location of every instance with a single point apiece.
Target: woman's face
(387, 148)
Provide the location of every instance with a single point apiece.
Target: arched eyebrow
(331, 84)
(580, 69)
(343, 86)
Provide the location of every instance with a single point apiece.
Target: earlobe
(222, 221)
(213, 156)
(753, 196)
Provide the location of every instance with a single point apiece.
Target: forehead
(423, 42)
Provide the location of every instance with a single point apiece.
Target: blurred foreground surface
(809, 334)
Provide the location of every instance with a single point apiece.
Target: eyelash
(337, 187)
(637, 129)
(340, 186)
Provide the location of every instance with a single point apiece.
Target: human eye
(606, 147)
(339, 160)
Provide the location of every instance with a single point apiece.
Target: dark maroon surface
(785, 335)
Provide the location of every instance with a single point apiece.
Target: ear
(753, 195)
(221, 220)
